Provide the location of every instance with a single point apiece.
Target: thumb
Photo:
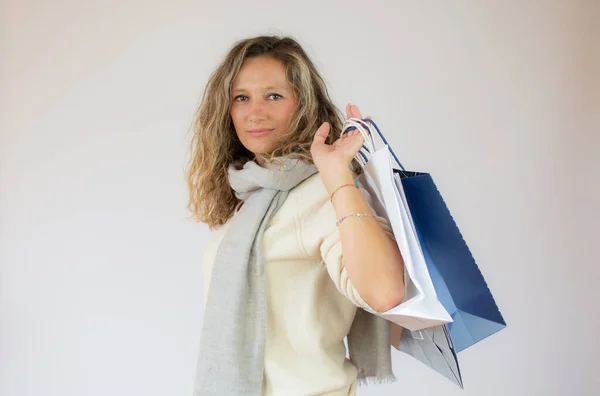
(322, 133)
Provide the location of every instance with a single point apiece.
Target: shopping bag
(458, 282)
(421, 307)
(432, 347)
(421, 311)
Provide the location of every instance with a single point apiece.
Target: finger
(356, 112)
(349, 111)
(322, 133)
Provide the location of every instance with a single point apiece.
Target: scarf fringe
(377, 380)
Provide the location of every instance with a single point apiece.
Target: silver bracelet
(342, 218)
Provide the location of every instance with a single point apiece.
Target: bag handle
(363, 127)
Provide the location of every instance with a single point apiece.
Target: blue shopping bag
(457, 280)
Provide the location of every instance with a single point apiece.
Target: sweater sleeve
(321, 239)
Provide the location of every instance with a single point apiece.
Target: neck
(259, 159)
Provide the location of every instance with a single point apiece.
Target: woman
(298, 260)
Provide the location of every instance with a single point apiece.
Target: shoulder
(215, 238)
(312, 185)
(308, 196)
(311, 202)
(312, 192)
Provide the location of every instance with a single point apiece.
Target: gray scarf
(231, 360)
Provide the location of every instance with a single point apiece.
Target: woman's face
(263, 104)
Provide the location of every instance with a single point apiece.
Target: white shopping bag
(421, 308)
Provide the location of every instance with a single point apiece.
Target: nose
(257, 111)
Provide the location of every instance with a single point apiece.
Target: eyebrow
(270, 87)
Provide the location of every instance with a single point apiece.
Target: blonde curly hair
(215, 145)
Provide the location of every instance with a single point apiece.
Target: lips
(260, 131)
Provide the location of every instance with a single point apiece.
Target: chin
(260, 148)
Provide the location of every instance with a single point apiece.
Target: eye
(274, 96)
(240, 98)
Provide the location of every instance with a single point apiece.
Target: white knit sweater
(311, 301)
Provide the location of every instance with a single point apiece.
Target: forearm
(372, 259)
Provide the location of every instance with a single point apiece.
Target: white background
(100, 285)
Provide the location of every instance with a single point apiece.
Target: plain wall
(100, 285)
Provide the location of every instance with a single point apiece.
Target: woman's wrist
(334, 179)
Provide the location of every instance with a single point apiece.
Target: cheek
(237, 121)
(289, 111)
(235, 114)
